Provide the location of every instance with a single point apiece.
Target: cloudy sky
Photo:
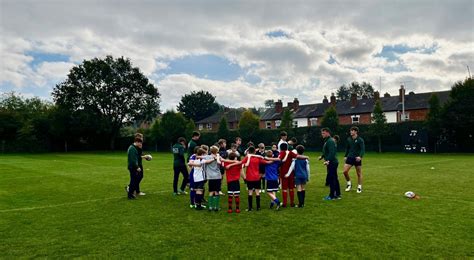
(241, 51)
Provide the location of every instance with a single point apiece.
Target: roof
(232, 115)
(412, 101)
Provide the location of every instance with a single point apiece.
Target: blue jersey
(271, 171)
(301, 168)
(191, 178)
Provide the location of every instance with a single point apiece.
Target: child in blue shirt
(271, 175)
(302, 174)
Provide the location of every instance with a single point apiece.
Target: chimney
(376, 95)
(401, 93)
(290, 105)
(325, 100)
(386, 94)
(278, 106)
(364, 96)
(333, 100)
(353, 100)
(296, 104)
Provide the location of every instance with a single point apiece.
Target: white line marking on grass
(412, 164)
(68, 204)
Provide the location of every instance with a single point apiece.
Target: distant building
(354, 111)
(211, 123)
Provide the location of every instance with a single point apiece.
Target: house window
(355, 119)
(268, 124)
(313, 121)
(277, 123)
(209, 126)
(201, 126)
(295, 123)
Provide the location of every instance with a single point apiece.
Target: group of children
(281, 166)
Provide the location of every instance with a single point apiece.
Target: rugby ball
(410, 194)
(148, 157)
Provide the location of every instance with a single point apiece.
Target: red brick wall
(418, 115)
(347, 119)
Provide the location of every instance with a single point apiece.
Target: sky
(243, 52)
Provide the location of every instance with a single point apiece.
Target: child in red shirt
(232, 173)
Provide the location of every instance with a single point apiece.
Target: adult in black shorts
(355, 150)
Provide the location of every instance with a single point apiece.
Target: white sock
(359, 186)
(349, 183)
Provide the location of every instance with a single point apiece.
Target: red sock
(292, 197)
(284, 195)
(237, 202)
(230, 201)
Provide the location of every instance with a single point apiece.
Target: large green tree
(458, 116)
(198, 105)
(286, 120)
(343, 93)
(223, 131)
(112, 90)
(330, 119)
(172, 126)
(248, 125)
(360, 89)
(379, 126)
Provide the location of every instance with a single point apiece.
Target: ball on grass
(148, 157)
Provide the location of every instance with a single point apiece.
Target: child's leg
(217, 198)
(198, 198)
(303, 192)
(257, 198)
(229, 201)
(237, 201)
(291, 186)
(250, 199)
(300, 195)
(284, 189)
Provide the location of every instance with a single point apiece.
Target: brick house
(354, 111)
(211, 123)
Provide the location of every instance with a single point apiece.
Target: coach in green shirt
(355, 150)
(330, 160)
(179, 166)
(192, 144)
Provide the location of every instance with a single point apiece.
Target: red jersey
(233, 173)
(253, 173)
(285, 165)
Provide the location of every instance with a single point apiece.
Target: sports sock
(292, 196)
(284, 195)
(349, 183)
(257, 198)
(359, 186)
(304, 195)
(192, 197)
(300, 198)
(216, 201)
(229, 200)
(237, 202)
(198, 199)
(277, 202)
(210, 202)
(250, 201)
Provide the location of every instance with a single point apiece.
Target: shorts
(215, 184)
(272, 185)
(198, 185)
(301, 181)
(254, 185)
(233, 188)
(352, 161)
(288, 183)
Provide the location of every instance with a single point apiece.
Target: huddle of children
(259, 167)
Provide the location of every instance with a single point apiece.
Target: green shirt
(355, 147)
(329, 150)
(178, 153)
(133, 157)
(192, 144)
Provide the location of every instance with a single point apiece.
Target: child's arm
(292, 167)
(272, 159)
(233, 164)
(304, 157)
(194, 164)
(307, 169)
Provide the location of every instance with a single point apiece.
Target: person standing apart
(355, 150)
(330, 160)
(134, 167)
(179, 166)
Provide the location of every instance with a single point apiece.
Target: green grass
(74, 205)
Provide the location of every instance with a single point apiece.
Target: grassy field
(74, 205)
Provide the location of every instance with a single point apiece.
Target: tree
(343, 93)
(112, 90)
(155, 134)
(223, 131)
(269, 103)
(330, 119)
(379, 125)
(433, 119)
(286, 120)
(457, 116)
(172, 126)
(198, 105)
(190, 128)
(248, 125)
(359, 89)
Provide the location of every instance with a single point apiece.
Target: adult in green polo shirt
(179, 166)
(355, 150)
(192, 144)
(330, 160)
